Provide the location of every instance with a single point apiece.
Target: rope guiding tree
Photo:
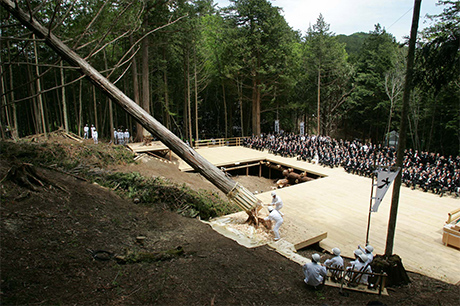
(242, 197)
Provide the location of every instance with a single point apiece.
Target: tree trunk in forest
(96, 121)
(225, 108)
(15, 131)
(238, 194)
(166, 111)
(4, 105)
(39, 89)
(255, 106)
(196, 93)
(109, 102)
(145, 78)
(138, 136)
(80, 107)
(189, 106)
(167, 117)
(64, 102)
(34, 123)
(240, 102)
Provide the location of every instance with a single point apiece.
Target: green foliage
(248, 64)
(161, 192)
(66, 156)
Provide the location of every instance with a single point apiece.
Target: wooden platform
(338, 204)
(153, 147)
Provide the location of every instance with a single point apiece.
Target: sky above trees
(351, 16)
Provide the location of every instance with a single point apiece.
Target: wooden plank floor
(339, 203)
(154, 146)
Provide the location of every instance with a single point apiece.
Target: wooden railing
(218, 142)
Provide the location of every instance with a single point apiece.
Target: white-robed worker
(86, 131)
(95, 135)
(356, 253)
(93, 128)
(275, 216)
(336, 261)
(277, 202)
(368, 251)
(115, 136)
(314, 272)
(126, 136)
(120, 137)
(361, 266)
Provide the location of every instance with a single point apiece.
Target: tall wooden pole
(238, 194)
(318, 128)
(402, 130)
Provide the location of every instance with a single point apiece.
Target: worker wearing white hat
(275, 216)
(314, 272)
(368, 251)
(276, 201)
(336, 261)
(362, 266)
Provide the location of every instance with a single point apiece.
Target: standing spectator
(126, 136)
(120, 137)
(95, 136)
(115, 136)
(86, 131)
(93, 129)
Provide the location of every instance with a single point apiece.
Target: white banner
(384, 180)
(277, 126)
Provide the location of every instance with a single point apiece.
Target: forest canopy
(206, 72)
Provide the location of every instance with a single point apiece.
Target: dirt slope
(46, 234)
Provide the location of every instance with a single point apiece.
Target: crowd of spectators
(427, 171)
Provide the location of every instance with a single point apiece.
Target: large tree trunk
(241, 196)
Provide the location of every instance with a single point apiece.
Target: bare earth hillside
(72, 242)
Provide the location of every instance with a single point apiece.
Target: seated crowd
(427, 171)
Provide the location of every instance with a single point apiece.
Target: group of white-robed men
(315, 272)
(120, 137)
(94, 134)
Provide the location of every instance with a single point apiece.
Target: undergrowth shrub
(157, 191)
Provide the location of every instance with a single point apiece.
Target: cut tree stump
(25, 175)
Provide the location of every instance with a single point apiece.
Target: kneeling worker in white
(314, 272)
(276, 217)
